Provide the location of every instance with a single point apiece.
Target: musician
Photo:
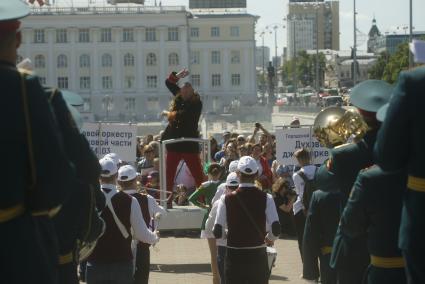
(127, 181)
(183, 118)
(37, 172)
(112, 259)
(350, 256)
(246, 212)
(400, 146)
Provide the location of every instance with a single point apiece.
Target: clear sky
(389, 14)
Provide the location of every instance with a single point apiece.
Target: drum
(271, 257)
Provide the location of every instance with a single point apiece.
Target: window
(234, 31)
(173, 34)
(87, 105)
(107, 82)
(215, 57)
(195, 57)
(39, 61)
(106, 35)
(61, 36)
(151, 59)
(216, 80)
(130, 104)
(84, 35)
(129, 82)
(128, 35)
(84, 82)
(215, 32)
(62, 61)
(152, 81)
(150, 34)
(39, 36)
(107, 103)
(194, 32)
(236, 79)
(84, 61)
(106, 60)
(195, 80)
(62, 82)
(152, 103)
(128, 59)
(42, 80)
(173, 59)
(235, 57)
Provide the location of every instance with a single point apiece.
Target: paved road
(185, 260)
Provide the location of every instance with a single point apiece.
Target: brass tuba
(334, 126)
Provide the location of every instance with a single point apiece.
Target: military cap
(72, 98)
(370, 95)
(10, 11)
(382, 112)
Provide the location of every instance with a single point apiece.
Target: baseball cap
(126, 173)
(233, 166)
(114, 157)
(232, 180)
(109, 168)
(281, 169)
(247, 165)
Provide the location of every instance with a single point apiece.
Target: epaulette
(342, 145)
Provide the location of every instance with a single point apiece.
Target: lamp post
(355, 47)
(410, 32)
(262, 75)
(317, 47)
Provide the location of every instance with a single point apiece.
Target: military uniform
(35, 169)
(321, 224)
(400, 145)
(350, 256)
(374, 208)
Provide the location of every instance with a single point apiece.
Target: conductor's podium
(182, 218)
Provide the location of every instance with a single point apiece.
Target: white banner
(288, 140)
(116, 138)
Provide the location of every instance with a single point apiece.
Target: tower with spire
(374, 34)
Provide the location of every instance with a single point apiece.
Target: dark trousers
(299, 222)
(68, 274)
(143, 261)
(327, 274)
(378, 275)
(415, 266)
(246, 266)
(221, 255)
(110, 273)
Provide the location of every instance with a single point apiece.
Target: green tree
(398, 62)
(377, 71)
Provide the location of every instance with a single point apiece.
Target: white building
(118, 57)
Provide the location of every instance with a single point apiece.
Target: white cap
(114, 157)
(126, 173)
(109, 168)
(247, 165)
(232, 180)
(233, 166)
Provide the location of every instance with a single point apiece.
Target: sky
(389, 14)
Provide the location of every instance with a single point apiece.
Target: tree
(377, 71)
(398, 62)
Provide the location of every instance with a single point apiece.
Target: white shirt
(139, 229)
(209, 224)
(221, 189)
(271, 213)
(309, 171)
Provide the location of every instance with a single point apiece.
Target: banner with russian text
(288, 140)
(116, 138)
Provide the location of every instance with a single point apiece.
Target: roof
(230, 15)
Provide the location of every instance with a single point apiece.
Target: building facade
(312, 25)
(118, 57)
(259, 56)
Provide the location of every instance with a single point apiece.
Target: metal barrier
(205, 157)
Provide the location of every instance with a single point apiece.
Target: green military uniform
(349, 255)
(75, 211)
(206, 191)
(320, 227)
(34, 166)
(400, 145)
(374, 208)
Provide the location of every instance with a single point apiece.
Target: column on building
(51, 66)
(184, 49)
(73, 75)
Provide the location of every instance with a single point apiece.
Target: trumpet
(334, 126)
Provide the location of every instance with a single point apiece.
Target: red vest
(241, 230)
(112, 247)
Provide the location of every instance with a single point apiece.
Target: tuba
(334, 126)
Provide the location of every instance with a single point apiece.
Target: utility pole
(275, 56)
(355, 47)
(317, 47)
(410, 33)
(262, 75)
(295, 56)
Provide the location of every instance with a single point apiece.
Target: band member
(247, 212)
(36, 169)
(127, 180)
(399, 146)
(112, 259)
(350, 257)
(183, 118)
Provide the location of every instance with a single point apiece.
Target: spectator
(213, 147)
(152, 185)
(265, 175)
(155, 146)
(230, 154)
(268, 153)
(181, 197)
(240, 140)
(226, 137)
(284, 198)
(146, 163)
